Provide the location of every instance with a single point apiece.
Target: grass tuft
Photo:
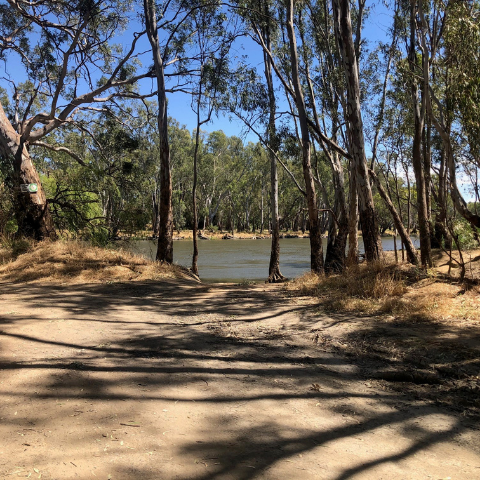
(77, 262)
(399, 290)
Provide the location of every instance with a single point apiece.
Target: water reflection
(243, 260)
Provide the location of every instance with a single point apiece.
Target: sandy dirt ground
(175, 380)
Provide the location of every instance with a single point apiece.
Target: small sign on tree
(29, 188)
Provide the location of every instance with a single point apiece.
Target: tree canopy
(366, 134)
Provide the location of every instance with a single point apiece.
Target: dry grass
(401, 291)
(76, 262)
(414, 331)
(361, 289)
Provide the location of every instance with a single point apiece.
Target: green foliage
(118, 140)
(462, 42)
(8, 224)
(98, 237)
(465, 235)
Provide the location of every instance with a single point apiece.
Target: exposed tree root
(276, 277)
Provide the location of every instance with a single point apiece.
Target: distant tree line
(351, 134)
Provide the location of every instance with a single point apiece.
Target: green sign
(32, 187)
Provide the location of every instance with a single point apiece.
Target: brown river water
(242, 260)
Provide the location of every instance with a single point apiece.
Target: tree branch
(55, 148)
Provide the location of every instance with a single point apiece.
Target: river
(242, 260)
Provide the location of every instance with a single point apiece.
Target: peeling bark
(343, 29)
(165, 234)
(32, 212)
(316, 248)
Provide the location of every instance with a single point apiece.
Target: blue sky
(179, 107)
(376, 26)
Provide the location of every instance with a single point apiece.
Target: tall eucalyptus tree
(213, 39)
(254, 100)
(64, 52)
(165, 231)
(419, 104)
(353, 114)
(458, 22)
(274, 273)
(316, 248)
(330, 97)
(266, 27)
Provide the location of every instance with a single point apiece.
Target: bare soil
(171, 379)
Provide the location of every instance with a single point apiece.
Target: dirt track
(179, 381)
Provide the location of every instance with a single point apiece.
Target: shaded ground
(175, 380)
(434, 360)
(419, 331)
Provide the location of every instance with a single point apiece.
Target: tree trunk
(395, 245)
(352, 256)
(343, 28)
(419, 108)
(274, 274)
(427, 167)
(442, 236)
(261, 214)
(32, 211)
(194, 191)
(335, 256)
(411, 253)
(155, 215)
(425, 243)
(442, 127)
(316, 248)
(165, 234)
(338, 222)
(399, 204)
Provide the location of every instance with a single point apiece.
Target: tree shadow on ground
(262, 446)
(431, 359)
(178, 298)
(177, 335)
